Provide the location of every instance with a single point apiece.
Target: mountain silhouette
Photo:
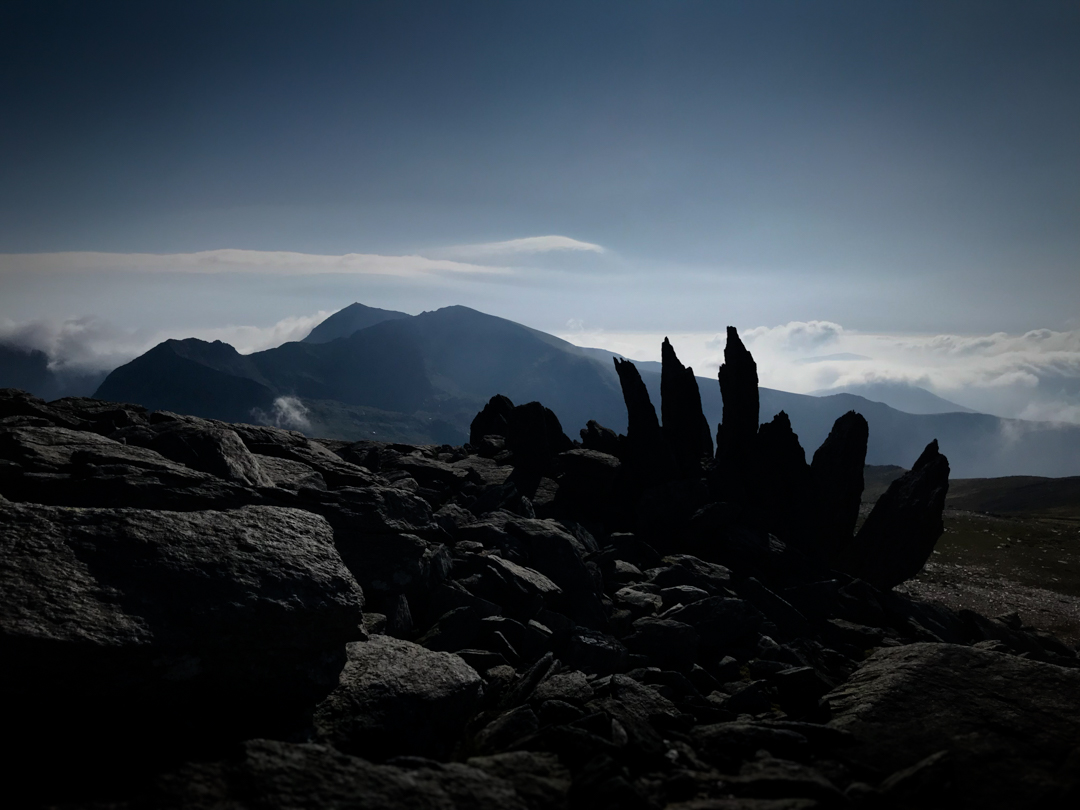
(903, 396)
(349, 320)
(423, 378)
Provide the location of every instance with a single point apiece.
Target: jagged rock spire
(647, 453)
(685, 426)
(837, 472)
(739, 388)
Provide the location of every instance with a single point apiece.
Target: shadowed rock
(595, 436)
(905, 524)
(739, 388)
(685, 427)
(782, 479)
(648, 454)
(837, 471)
(1008, 725)
(535, 436)
(493, 420)
(398, 698)
(133, 630)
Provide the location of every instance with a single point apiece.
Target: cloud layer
(232, 260)
(1035, 375)
(94, 344)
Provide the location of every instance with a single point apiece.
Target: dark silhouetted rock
(739, 388)
(493, 420)
(395, 698)
(665, 643)
(837, 472)
(535, 436)
(685, 426)
(647, 452)
(899, 535)
(1009, 725)
(588, 481)
(781, 480)
(595, 436)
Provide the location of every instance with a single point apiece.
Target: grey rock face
(685, 427)
(899, 535)
(837, 472)
(158, 624)
(285, 776)
(1009, 725)
(398, 698)
(213, 450)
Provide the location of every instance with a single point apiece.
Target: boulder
(493, 420)
(535, 436)
(1009, 725)
(65, 467)
(739, 389)
(685, 426)
(837, 472)
(899, 535)
(134, 631)
(595, 436)
(215, 450)
(397, 698)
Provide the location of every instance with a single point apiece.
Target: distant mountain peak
(349, 320)
(903, 396)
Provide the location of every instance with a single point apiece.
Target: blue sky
(891, 167)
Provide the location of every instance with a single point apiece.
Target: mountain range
(379, 374)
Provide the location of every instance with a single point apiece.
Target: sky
(898, 181)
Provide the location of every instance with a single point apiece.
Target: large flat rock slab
(271, 775)
(148, 626)
(1010, 726)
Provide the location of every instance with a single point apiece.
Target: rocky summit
(200, 614)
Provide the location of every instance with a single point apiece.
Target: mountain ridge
(440, 367)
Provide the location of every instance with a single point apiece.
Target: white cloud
(244, 261)
(1035, 375)
(85, 344)
(531, 244)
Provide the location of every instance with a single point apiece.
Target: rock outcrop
(685, 427)
(201, 614)
(837, 478)
(970, 727)
(900, 532)
(647, 451)
(739, 387)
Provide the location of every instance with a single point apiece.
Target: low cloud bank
(90, 344)
(1035, 375)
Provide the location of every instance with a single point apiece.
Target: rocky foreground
(208, 615)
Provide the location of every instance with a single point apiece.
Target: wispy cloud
(230, 260)
(531, 244)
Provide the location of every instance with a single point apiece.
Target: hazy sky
(895, 169)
